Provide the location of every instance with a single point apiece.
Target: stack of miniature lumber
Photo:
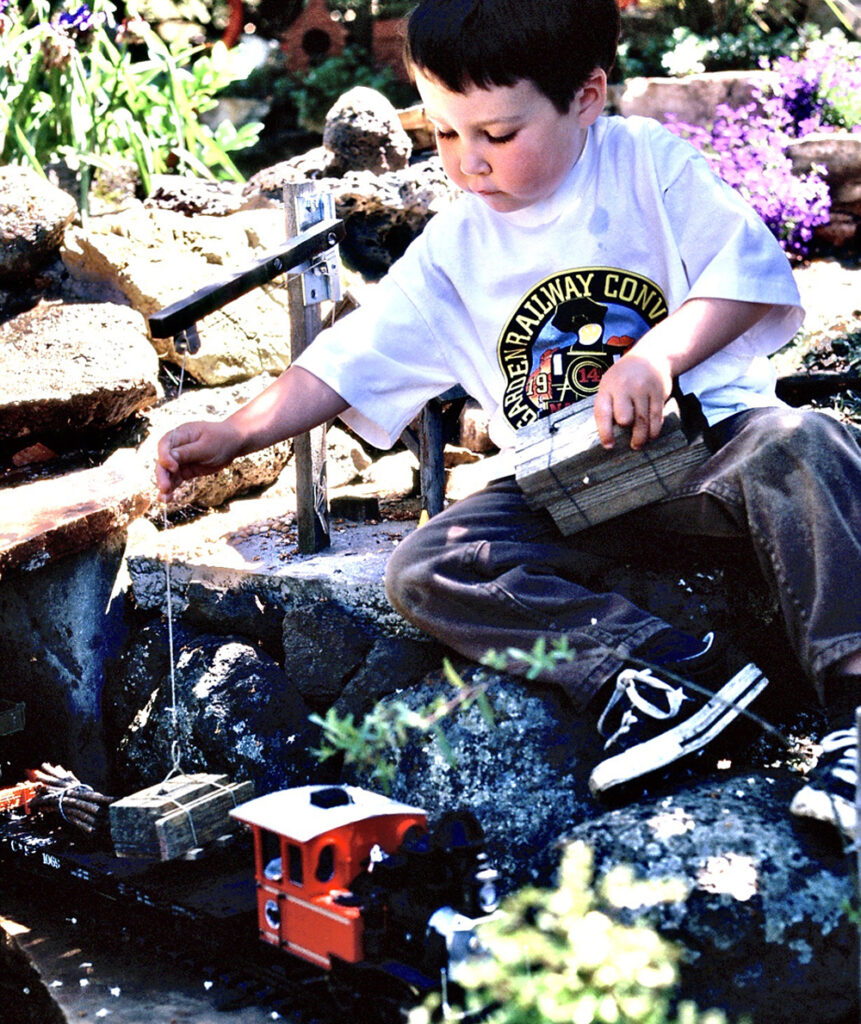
(561, 466)
(177, 817)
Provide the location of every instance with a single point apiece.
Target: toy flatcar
(347, 878)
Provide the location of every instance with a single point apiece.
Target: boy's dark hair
(556, 44)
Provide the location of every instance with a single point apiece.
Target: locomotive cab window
(294, 864)
(325, 863)
(271, 849)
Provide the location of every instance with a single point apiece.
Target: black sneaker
(829, 794)
(650, 721)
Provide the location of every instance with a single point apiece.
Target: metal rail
(184, 313)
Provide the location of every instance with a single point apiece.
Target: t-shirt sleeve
(728, 252)
(384, 360)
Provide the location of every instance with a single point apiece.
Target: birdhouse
(313, 36)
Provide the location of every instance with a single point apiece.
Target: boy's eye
(500, 139)
(445, 133)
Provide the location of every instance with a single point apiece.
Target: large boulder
(364, 133)
(331, 654)
(765, 927)
(225, 702)
(34, 215)
(692, 99)
(839, 153)
(523, 774)
(74, 366)
(156, 256)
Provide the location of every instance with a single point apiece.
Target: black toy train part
(354, 882)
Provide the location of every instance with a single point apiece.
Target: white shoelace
(845, 767)
(626, 686)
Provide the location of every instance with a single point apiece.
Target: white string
(175, 745)
(175, 750)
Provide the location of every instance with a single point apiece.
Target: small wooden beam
(167, 820)
(561, 466)
(309, 450)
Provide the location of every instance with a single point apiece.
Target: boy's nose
(473, 162)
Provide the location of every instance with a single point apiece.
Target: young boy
(588, 256)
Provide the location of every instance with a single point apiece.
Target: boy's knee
(403, 576)
(795, 431)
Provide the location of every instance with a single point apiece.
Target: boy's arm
(297, 401)
(634, 390)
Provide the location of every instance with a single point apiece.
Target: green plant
(369, 744)
(564, 956)
(73, 88)
(702, 35)
(316, 92)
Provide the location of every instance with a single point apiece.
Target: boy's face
(509, 145)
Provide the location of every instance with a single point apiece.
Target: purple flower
(76, 23)
(746, 146)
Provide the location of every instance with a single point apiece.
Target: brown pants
(491, 573)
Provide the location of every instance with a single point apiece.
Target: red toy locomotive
(354, 882)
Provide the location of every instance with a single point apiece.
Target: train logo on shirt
(567, 332)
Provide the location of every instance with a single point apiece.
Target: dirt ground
(98, 973)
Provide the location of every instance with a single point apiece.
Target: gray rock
(765, 925)
(324, 645)
(34, 215)
(364, 133)
(59, 625)
(694, 98)
(236, 713)
(524, 776)
(382, 212)
(66, 367)
(248, 472)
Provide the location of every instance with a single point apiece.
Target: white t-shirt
(526, 309)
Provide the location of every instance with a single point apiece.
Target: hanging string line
(175, 745)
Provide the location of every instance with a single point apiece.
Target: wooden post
(309, 450)
(431, 467)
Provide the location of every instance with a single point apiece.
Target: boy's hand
(194, 449)
(633, 393)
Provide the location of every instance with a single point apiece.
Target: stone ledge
(48, 519)
(253, 554)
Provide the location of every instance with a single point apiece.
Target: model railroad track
(198, 915)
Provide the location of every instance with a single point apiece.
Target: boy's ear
(591, 97)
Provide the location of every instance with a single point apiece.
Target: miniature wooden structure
(310, 844)
(313, 35)
(177, 817)
(561, 466)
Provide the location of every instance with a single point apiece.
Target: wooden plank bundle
(176, 816)
(561, 466)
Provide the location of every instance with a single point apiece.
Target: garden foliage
(816, 91)
(79, 87)
(565, 956)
